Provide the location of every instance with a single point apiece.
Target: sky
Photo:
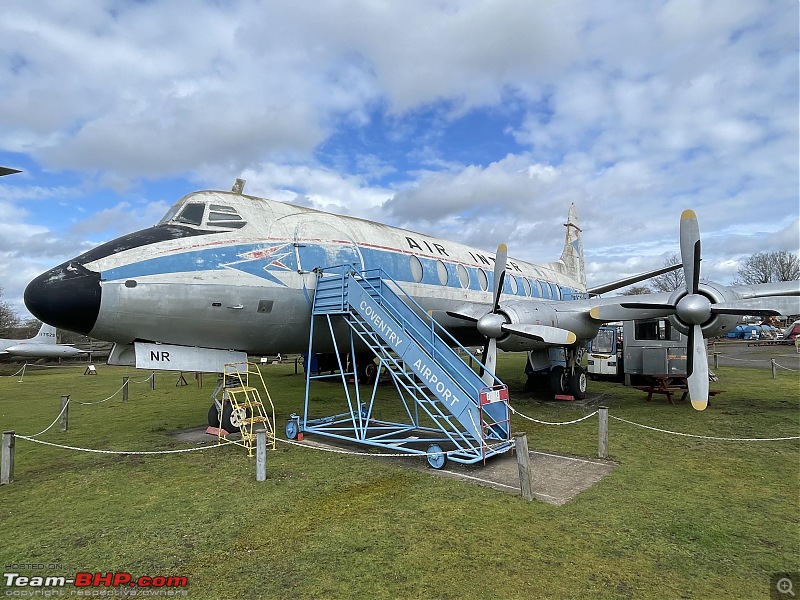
(477, 121)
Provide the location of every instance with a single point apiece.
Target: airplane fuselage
(229, 271)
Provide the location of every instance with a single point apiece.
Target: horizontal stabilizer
(621, 283)
(542, 333)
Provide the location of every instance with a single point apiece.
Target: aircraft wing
(701, 309)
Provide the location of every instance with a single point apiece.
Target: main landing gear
(571, 380)
(568, 381)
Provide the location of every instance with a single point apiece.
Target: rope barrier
(706, 437)
(22, 370)
(757, 360)
(513, 410)
(137, 452)
(101, 401)
(785, 368)
(146, 380)
(63, 408)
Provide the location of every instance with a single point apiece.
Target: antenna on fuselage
(238, 186)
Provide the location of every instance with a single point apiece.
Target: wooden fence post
(64, 413)
(261, 455)
(774, 368)
(716, 360)
(125, 388)
(524, 465)
(7, 458)
(602, 433)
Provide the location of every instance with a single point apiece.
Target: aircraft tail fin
(46, 335)
(572, 255)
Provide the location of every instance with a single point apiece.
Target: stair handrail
(344, 270)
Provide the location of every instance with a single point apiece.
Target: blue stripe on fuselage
(264, 259)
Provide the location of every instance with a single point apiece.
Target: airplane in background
(225, 271)
(43, 345)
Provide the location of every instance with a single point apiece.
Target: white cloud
(633, 110)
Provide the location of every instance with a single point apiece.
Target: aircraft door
(324, 242)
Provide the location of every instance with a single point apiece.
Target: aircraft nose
(67, 297)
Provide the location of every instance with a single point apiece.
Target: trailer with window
(637, 349)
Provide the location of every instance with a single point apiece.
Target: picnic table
(669, 385)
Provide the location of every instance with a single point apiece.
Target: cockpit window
(224, 216)
(218, 216)
(192, 214)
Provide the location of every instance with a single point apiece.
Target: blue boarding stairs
(447, 410)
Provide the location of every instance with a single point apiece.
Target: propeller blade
(697, 368)
(630, 311)
(542, 333)
(489, 361)
(462, 316)
(500, 260)
(767, 306)
(690, 250)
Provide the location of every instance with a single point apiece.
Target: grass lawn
(679, 518)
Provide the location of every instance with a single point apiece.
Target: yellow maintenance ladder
(247, 409)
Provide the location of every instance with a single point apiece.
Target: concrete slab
(557, 478)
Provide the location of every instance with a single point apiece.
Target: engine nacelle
(515, 313)
(529, 313)
(716, 325)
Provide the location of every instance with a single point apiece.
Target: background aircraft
(8, 171)
(42, 345)
(223, 270)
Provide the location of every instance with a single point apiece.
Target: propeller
(491, 324)
(693, 309)
(494, 324)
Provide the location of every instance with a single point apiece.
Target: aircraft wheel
(577, 383)
(367, 369)
(556, 380)
(213, 415)
(370, 371)
(232, 419)
(437, 459)
(292, 429)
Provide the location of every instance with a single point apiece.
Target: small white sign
(166, 357)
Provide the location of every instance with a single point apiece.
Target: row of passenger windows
(513, 284)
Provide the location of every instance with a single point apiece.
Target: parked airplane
(43, 345)
(227, 271)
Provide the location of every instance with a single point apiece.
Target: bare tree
(787, 266)
(8, 318)
(769, 267)
(671, 281)
(636, 290)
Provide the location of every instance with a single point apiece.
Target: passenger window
(483, 279)
(416, 268)
(441, 271)
(463, 276)
(526, 284)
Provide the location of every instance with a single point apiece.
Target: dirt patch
(557, 478)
